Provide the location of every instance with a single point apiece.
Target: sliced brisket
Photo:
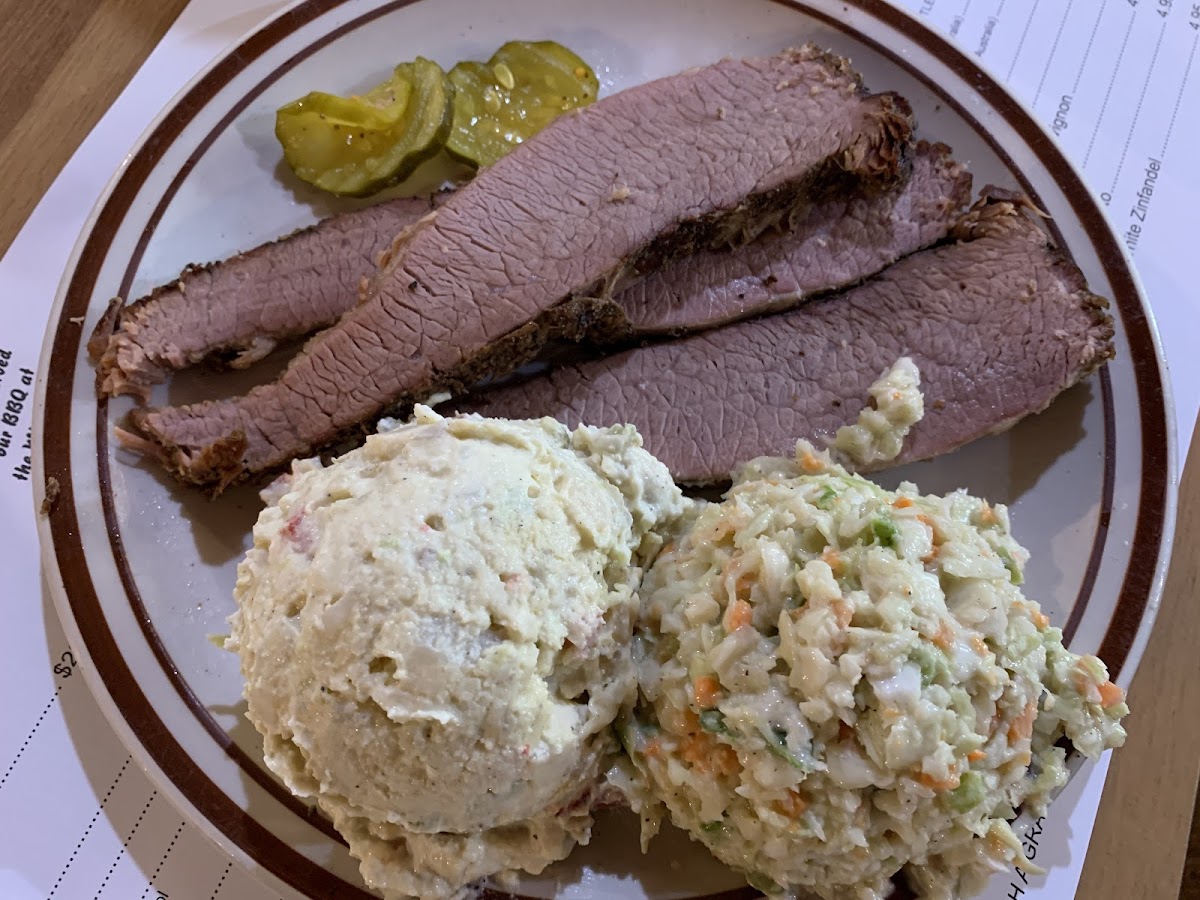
(708, 158)
(999, 324)
(242, 307)
(289, 288)
(835, 243)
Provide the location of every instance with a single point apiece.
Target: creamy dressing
(878, 435)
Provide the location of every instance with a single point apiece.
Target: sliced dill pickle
(359, 145)
(524, 87)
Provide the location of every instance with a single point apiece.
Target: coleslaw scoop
(841, 683)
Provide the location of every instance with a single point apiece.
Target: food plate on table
(142, 569)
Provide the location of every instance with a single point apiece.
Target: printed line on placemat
(162, 862)
(1088, 49)
(1137, 110)
(1021, 43)
(125, 845)
(1182, 87)
(1111, 82)
(220, 882)
(74, 853)
(1053, 51)
(32, 731)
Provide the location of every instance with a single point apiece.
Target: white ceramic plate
(142, 571)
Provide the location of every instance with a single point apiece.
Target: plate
(142, 572)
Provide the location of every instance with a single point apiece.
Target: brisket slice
(999, 324)
(240, 308)
(834, 244)
(244, 306)
(708, 158)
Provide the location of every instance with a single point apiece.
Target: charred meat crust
(878, 160)
(216, 463)
(102, 334)
(999, 210)
(839, 240)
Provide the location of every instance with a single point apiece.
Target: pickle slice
(359, 145)
(523, 88)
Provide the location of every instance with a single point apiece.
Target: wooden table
(65, 62)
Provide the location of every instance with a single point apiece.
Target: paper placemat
(82, 821)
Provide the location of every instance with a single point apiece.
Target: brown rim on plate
(228, 817)
(1148, 533)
